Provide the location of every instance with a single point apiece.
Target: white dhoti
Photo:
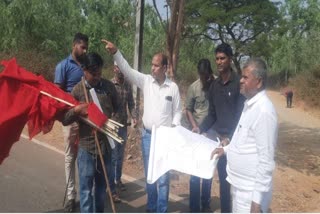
(242, 199)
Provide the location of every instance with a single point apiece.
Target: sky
(160, 5)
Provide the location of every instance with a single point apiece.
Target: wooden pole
(138, 45)
(100, 154)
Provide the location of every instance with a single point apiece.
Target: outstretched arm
(133, 76)
(110, 47)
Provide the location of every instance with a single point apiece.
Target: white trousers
(242, 199)
(70, 134)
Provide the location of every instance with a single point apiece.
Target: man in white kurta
(250, 153)
(162, 107)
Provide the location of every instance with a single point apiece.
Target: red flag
(14, 112)
(22, 102)
(96, 116)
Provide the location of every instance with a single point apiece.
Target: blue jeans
(157, 201)
(195, 196)
(92, 184)
(225, 200)
(117, 159)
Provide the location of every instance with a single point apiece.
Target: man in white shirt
(161, 107)
(250, 153)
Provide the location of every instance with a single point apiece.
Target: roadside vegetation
(285, 33)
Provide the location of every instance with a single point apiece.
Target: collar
(99, 85)
(166, 82)
(70, 58)
(232, 78)
(255, 98)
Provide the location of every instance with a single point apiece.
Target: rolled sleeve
(59, 74)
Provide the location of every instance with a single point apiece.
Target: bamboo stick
(86, 120)
(56, 98)
(100, 154)
(119, 124)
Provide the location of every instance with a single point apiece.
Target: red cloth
(14, 112)
(21, 103)
(96, 116)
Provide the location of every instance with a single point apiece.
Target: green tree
(41, 25)
(296, 42)
(240, 23)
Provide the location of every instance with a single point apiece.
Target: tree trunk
(237, 65)
(174, 35)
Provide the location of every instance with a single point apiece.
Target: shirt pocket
(167, 104)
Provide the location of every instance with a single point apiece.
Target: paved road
(32, 180)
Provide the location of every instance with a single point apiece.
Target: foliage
(45, 28)
(297, 41)
(307, 86)
(154, 39)
(244, 24)
(37, 24)
(191, 51)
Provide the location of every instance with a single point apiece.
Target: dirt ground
(297, 173)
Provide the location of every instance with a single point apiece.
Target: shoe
(70, 206)
(115, 198)
(121, 186)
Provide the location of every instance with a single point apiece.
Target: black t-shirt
(225, 106)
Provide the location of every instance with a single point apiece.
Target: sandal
(116, 199)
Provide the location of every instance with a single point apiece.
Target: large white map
(177, 148)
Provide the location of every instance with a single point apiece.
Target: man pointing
(161, 107)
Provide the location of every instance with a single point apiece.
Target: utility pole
(138, 45)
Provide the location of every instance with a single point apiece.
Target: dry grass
(307, 87)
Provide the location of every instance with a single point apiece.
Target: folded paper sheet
(177, 148)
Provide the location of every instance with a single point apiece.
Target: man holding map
(225, 106)
(162, 107)
(250, 153)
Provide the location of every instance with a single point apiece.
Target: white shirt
(162, 104)
(250, 153)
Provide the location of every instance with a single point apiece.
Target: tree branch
(159, 16)
(252, 37)
(220, 33)
(202, 34)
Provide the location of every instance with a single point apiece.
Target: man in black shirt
(225, 107)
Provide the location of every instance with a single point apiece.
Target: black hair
(78, 37)
(204, 66)
(164, 58)
(92, 62)
(224, 48)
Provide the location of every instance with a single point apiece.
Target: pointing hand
(111, 48)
